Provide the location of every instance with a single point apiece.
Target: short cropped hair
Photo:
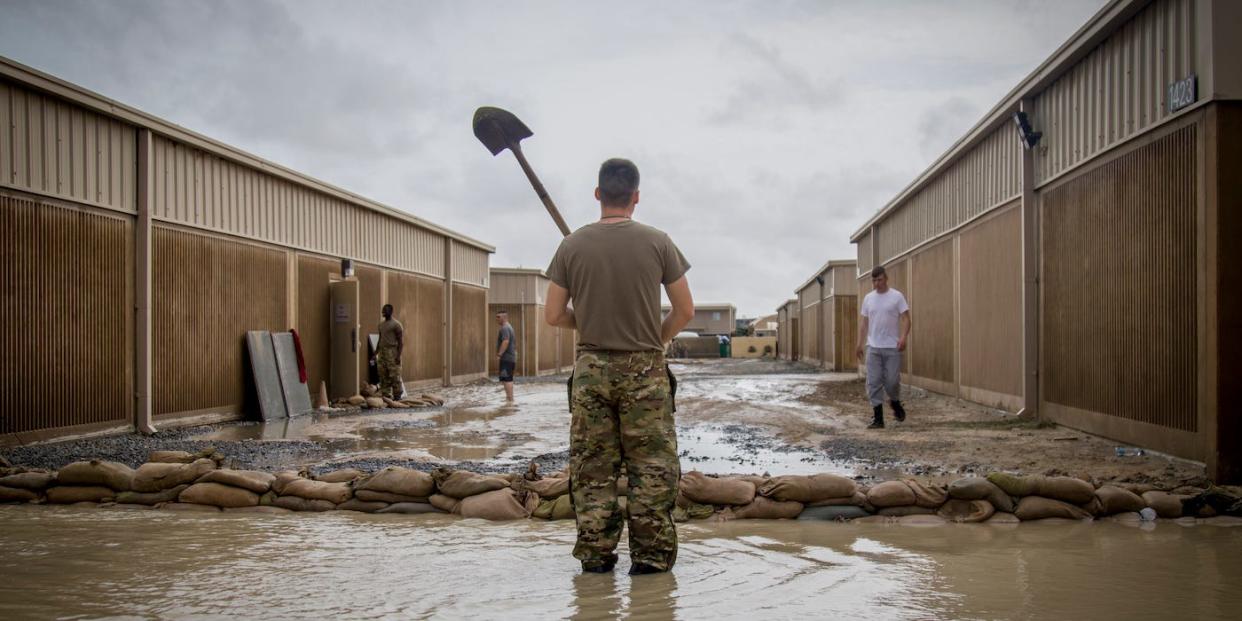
(387, 307)
(503, 312)
(878, 271)
(618, 180)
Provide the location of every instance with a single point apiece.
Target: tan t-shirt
(388, 330)
(613, 272)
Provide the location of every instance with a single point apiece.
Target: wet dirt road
(70, 562)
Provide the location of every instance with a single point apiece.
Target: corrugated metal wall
(426, 331)
(991, 303)
(897, 279)
(863, 246)
(1118, 90)
(53, 148)
(66, 317)
(1119, 258)
(207, 293)
(547, 345)
(314, 305)
(933, 338)
(808, 299)
(845, 331)
(512, 288)
(985, 177)
(569, 344)
(470, 346)
(470, 265)
(199, 189)
(370, 305)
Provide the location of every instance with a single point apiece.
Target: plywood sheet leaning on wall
(70, 267)
(210, 292)
(469, 340)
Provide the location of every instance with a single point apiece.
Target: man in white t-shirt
(883, 330)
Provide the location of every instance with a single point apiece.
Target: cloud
(766, 132)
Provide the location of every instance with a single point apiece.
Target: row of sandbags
(181, 480)
(369, 397)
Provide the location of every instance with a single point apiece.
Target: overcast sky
(766, 132)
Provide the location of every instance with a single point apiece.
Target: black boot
(599, 567)
(898, 412)
(878, 421)
(641, 569)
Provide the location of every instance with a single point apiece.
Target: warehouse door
(344, 379)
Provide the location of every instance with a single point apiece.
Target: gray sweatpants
(883, 374)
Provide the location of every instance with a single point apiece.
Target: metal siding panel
(991, 303)
(932, 339)
(210, 292)
(314, 316)
(469, 342)
(1119, 246)
(76, 262)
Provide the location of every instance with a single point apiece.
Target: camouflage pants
(389, 372)
(622, 415)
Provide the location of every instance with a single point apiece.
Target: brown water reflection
(89, 562)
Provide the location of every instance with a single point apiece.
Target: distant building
(763, 326)
(709, 319)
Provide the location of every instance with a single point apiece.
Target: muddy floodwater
(70, 562)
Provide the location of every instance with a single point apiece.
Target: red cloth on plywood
(297, 346)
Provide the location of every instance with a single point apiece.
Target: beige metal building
(1086, 279)
(542, 349)
(764, 326)
(787, 333)
(828, 307)
(138, 253)
(709, 319)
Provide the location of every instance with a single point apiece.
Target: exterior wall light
(1029, 137)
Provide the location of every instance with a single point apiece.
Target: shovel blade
(497, 129)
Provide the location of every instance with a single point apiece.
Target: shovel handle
(543, 194)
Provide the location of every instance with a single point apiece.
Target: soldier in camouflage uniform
(621, 395)
(388, 354)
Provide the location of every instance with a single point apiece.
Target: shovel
(499, 130)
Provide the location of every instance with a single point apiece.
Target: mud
(69, 562)
(734, 416)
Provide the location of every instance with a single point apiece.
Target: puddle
(68, 562)
(736, 449)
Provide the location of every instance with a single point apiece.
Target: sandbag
(376, 403)
(1039, 508)
(501, 504)
(1001, 518)
(151, 498)
(252, 480)
(340, 476)
(1013, 484)
(703, 489)
(762, 508)
(1166, 505)
(904, 510)
(979, 488)
(1068, 489)
(170, 457)
(335, 493)
(219, 495)
(410, 508)
(694, 510)
(269, 510)
(17, 494)
(401, 481)
(921, 520)
(757, 480)
(447, 504)
(970, 511)
(551, 487)
(357, 400)
(126, 507)
(189, 506)
(153, 477)
(927, 496)
(1095, 507)
(34, 481)
(559, 508)
(373, 496)
(354, 504)
(110, 474)
(69, 494)
(808, 489)
(859, 499)
(283, 478)
(833, 513)
(890, 494)
(267, 499)
(462, 484)
(297, 503)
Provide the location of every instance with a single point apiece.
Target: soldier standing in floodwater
(621, 389)
(388, 354)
